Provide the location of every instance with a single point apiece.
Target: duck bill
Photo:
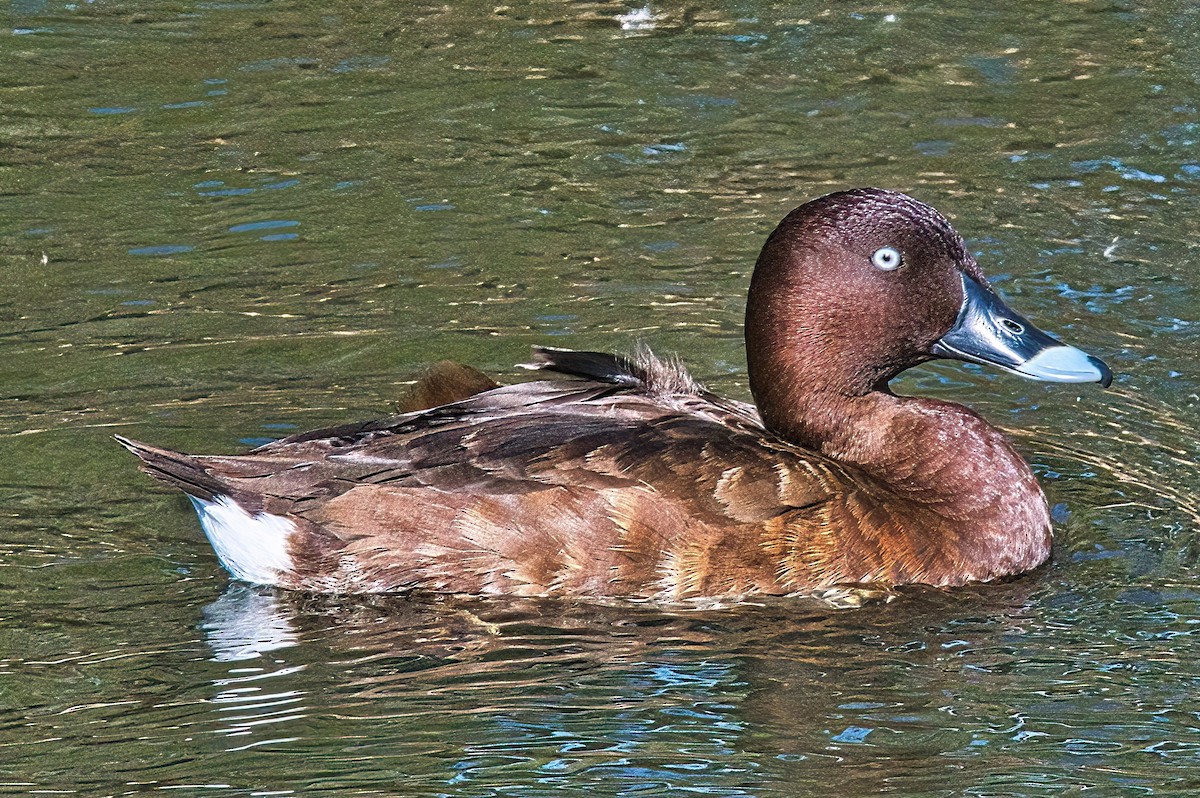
(989, 331)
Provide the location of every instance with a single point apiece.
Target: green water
(224, 221)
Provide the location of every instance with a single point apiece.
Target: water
(222, 222)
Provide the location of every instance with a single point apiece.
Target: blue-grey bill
(989, 331)
(1065, 364)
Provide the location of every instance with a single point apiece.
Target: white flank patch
(251, 547)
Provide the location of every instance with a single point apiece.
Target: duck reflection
(244, 627)
(245, 623)
(538, 694)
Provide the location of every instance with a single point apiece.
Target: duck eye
(886, 259)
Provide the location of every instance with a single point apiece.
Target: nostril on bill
(1012, 326)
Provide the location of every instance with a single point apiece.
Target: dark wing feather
(600, 366)
(575, 434)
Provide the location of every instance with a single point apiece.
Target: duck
(623, 477)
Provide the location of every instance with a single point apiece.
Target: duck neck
(841, 419)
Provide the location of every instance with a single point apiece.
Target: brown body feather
(580, 488)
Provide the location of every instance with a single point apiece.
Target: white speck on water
(642, 18)
(1111, 248)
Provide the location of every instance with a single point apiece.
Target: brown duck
(633, 480)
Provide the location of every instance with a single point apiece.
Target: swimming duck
(633, 480)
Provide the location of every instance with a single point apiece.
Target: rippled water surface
(225, 221)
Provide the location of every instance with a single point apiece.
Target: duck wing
(577, 487)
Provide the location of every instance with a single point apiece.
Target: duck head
(855, 287)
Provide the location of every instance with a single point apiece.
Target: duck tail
(254, 546)
(179, 470)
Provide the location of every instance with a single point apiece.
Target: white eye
(887, 259)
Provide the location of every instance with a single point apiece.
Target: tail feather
(593, 365)
(179, 470)
(254, 546)
(644, 370)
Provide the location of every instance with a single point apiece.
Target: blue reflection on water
(227, 192)
(1128, 172)
(362, 62)
(751, 39)
(270, 224)
(994, 69)
(853, 735)
(662, 149)
(162, 249)
(971, 121)
(674, 730)
(936, 148)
